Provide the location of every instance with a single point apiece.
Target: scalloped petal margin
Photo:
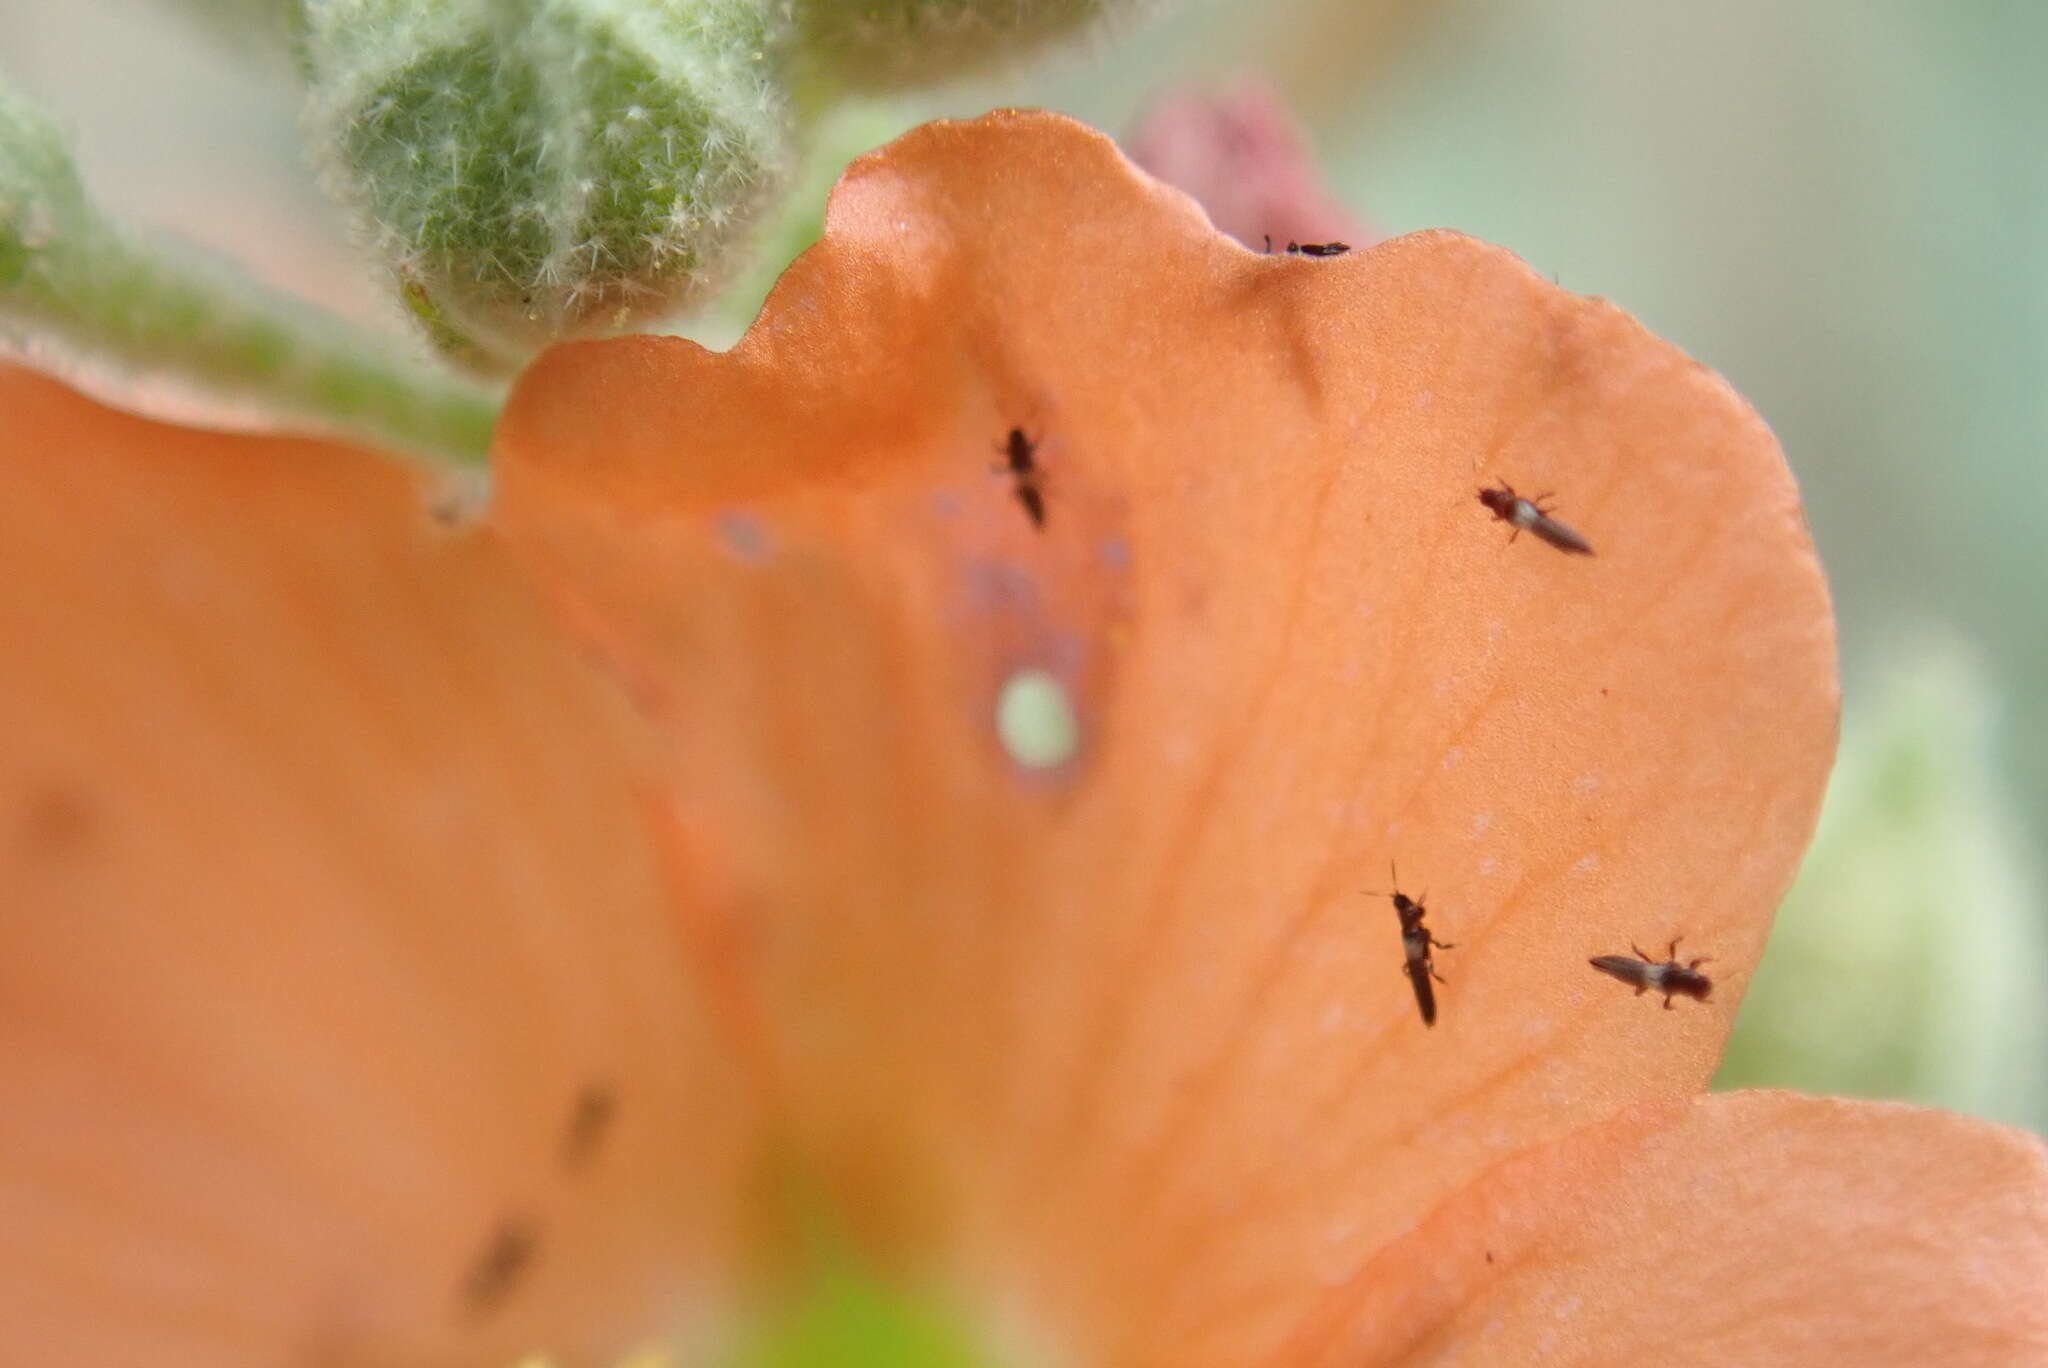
(1123, 1033)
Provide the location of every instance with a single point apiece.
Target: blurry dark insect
(1530, 514)
(590, 1117)
(1020, 461)
(1314, 249)
(1415, 943)
(505, 1259)
(1670, 978)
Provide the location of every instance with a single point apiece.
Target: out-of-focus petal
(1121, 1031)
(1751, 1227)
(343, 1018)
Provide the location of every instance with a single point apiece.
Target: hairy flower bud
(539, 169)
(890, 44)
(39, 189)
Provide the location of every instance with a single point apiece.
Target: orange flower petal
(1749, 1227)
(1124, 1028)
(341, 1015)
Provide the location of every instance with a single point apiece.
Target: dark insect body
(1530, 515)
(505, 1259)
(590, 1119)
(1416, 942)
(1669, 977)
(1020, 460)
(1314, 249)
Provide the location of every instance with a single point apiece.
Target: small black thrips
(1314, 249)
(590, 1119)
(1511, 507)
(506, 1258)
(1670, 978)
(1021, 463)
(1418, 964)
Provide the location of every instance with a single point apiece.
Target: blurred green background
(1842, 206)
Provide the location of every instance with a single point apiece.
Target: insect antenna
(1394, 884)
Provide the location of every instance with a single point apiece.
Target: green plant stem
(146, 309)
(69, 276)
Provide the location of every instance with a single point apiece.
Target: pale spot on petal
(1035, 719)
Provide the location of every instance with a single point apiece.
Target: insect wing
(1633, 972)
(1034, 503)
(1560, 536)
(1425, 994)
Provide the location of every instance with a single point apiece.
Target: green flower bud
(533, 170)
(40, 196)
(1906, 959)
(891, 44)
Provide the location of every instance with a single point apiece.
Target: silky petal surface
(344, 1018)
(1751, 1227)
(1121, 1035)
